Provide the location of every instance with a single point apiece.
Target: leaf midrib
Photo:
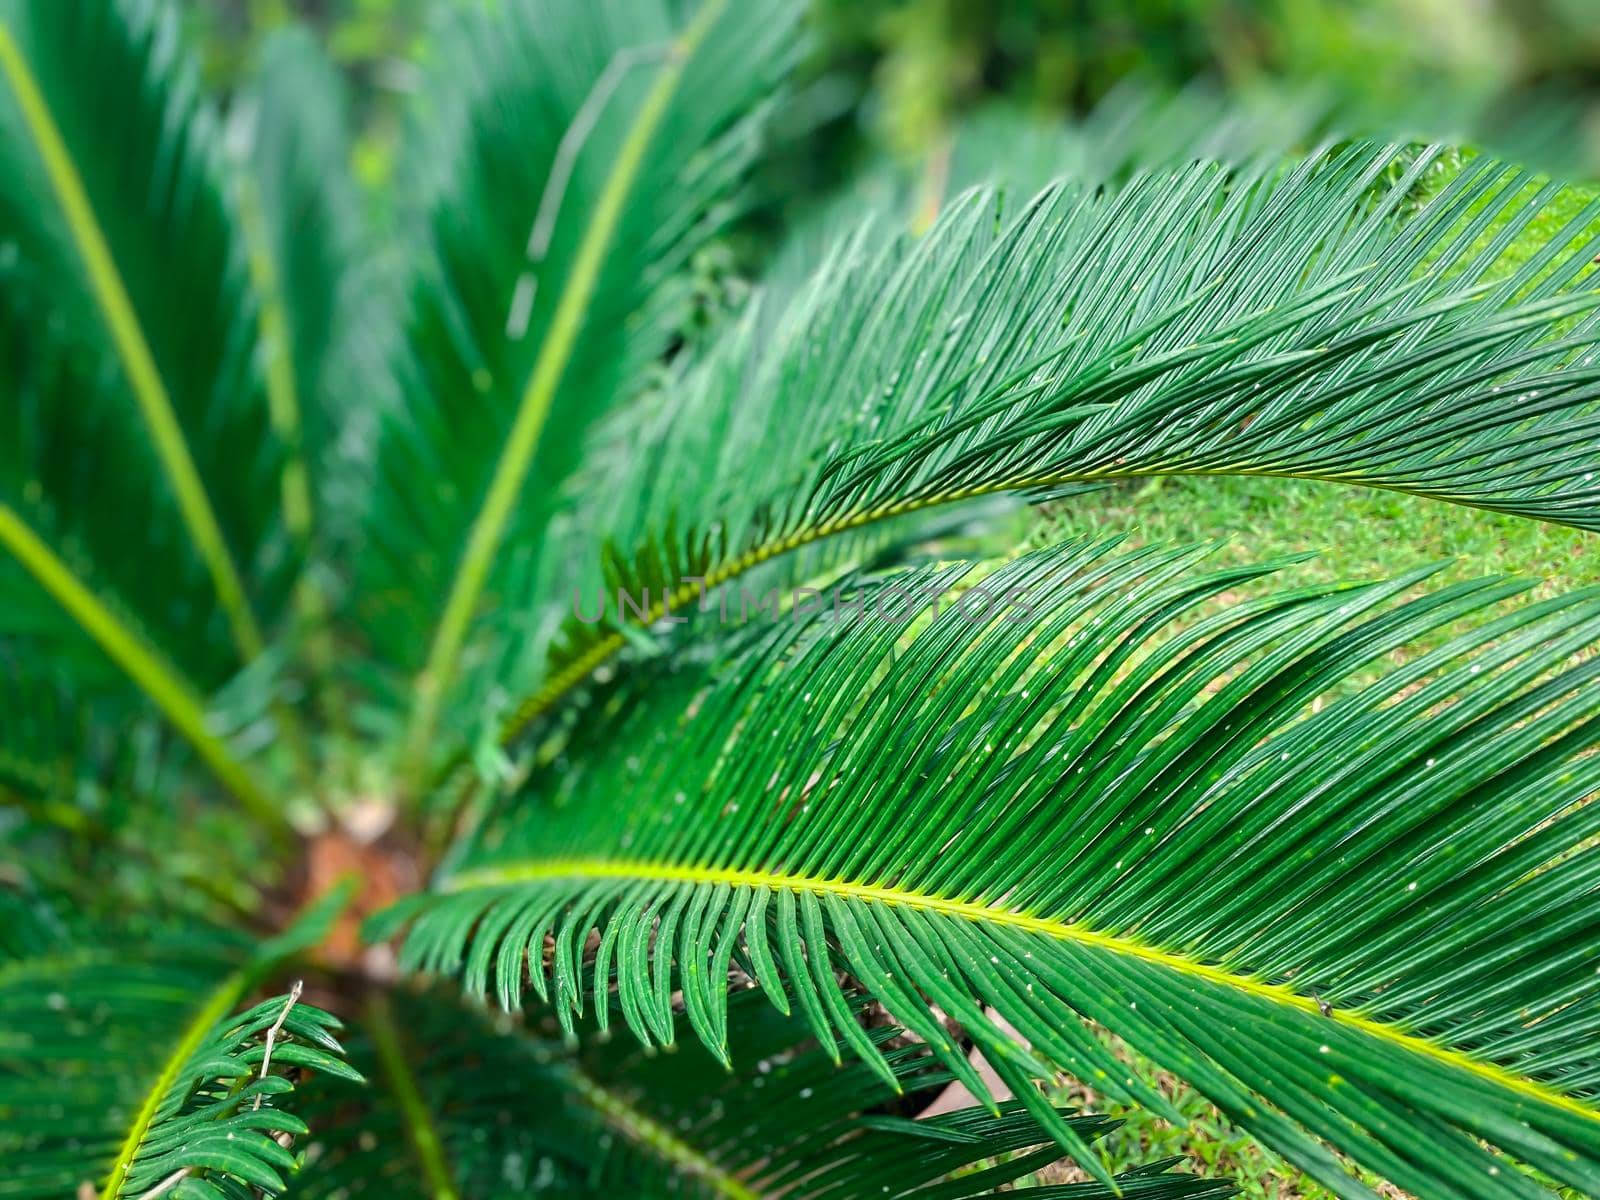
(170, 692)
(421, 1133)
(133, 349)
(522, 442)
(643, 1130)
(220, 1004)
(516, 873)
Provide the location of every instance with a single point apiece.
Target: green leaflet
(1118, 808)
(208, 1122)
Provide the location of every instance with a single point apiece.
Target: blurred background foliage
(896, 76)
(930, 58)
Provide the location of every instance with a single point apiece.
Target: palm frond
(98, 812)
(168, 436)
(128, 340)
(211, 1136)
(161, 685)
(1369, 923)
(1313, 323)
(1136, 128)
(579, 156)
(124, 1066)
(508, 1109)
(317, 280)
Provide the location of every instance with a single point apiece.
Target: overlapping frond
(510, 1110)
(1363, 915)
(137, 436)
(1097, 790)
(575, 159)
(121, 1066)
(1311, 323)
(141, 545)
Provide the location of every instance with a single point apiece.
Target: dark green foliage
(218, 1121)
(78, 460)
(614, 1119)
(302, 221)
(125, 1069)
(504, 231)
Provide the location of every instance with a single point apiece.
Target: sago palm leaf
(100, 106)
(211, 1136)
(98, 812)
(316, 281)
(488, 1112)
(1307, 324)
(98, 639)
(139, 478)
(126, 1069)
(575, 159)
(1370, 923)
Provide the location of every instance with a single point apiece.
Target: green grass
(1207, 1141)
(1356, 533)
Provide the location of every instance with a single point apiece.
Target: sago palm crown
(592, 693)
